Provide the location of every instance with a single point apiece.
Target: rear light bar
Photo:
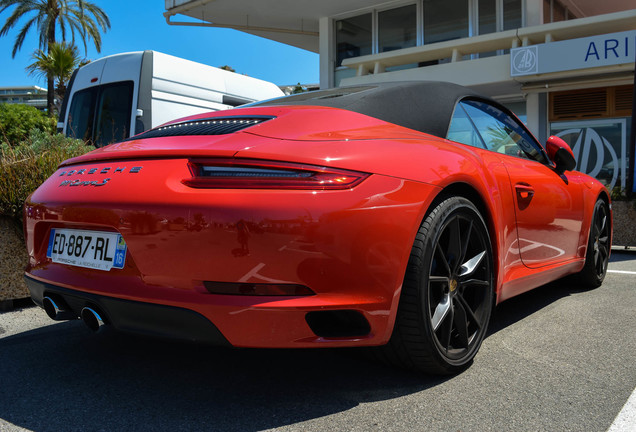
(256, 174)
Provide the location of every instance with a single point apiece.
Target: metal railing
(457, 49)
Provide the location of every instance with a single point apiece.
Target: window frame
(542, 156)
(375, 33)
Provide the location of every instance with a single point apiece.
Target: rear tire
(598, 248)
(447, 294)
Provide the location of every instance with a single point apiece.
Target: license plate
(91, 249)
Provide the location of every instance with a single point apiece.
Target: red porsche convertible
(394, 215)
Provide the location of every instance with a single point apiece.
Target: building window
(555, 11)
(487, 11)
(353, 37)
(599, 147)
(512, 17)
(397, 28)
(445, 20)
(595, 123)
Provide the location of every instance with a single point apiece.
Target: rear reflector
(252, 174)
(255, 289)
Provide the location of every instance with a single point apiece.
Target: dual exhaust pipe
(59, 311)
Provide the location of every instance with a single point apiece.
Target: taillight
(253, 174)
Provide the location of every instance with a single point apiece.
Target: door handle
(524, 191)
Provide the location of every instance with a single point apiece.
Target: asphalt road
(556, 359)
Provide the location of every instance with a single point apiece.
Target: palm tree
(60, 62)
(47, 16)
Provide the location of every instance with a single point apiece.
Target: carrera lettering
(84, 182)
(102, 183)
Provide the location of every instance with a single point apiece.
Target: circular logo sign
(524, 61)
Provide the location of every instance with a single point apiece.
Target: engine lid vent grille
(207, 126)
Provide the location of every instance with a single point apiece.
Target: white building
(565, 67)
(27, 95)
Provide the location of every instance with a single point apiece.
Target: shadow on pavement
(622, 255)
(524, 305)
(61, 378)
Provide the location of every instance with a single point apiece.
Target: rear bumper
(232, 320)
(134, 316)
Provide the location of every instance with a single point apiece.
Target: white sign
(594, 51)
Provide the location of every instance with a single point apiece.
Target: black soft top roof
(426, 106)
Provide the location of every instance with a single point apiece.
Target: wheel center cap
(453, 285)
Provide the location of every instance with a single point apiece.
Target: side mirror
(561, 154)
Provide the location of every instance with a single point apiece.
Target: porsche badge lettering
(101, 170)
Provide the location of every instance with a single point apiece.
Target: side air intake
(207, 126)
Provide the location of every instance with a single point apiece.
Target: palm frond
(72, 17)
(19, 40)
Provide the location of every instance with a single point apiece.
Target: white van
(119, 96)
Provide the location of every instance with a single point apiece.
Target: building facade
(565, 67)
(29, 95)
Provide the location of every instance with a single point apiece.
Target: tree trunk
(50, 96)
(53, 12)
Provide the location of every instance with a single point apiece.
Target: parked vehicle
(122, 95)
(393, 214)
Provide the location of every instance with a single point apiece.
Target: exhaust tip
(92, 319)
(56, 310)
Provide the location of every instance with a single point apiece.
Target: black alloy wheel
(447, 295)
(598, 248)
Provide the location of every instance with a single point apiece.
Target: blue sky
(140, 25)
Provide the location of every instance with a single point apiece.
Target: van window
(101, 114)
(80, 116)
(113, 113)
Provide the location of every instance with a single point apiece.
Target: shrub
(25, 166)
(17, 121)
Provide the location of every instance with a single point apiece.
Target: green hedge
(17, 121)
(26, 165)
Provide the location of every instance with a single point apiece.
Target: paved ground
(555, 359)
